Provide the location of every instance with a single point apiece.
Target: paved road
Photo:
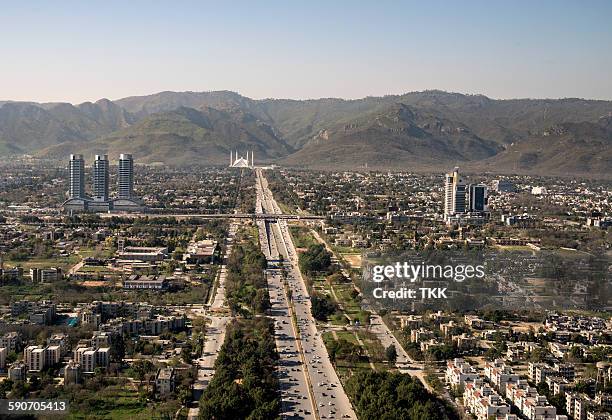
(215, 331)
(295, 393)
(330, 398)
(296, 397)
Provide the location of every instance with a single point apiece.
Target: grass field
(62, 262)
(119, 403)
(302, 238)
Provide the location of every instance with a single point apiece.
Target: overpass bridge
(182, 216)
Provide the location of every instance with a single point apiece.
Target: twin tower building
(100, 199)
(464, 203)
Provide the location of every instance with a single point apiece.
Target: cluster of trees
(244, 385)
(280, 188)
(343, 349)
(394, 396)
(315, 259)
(245, 192)
(443, 351)
(322, 307)
(246, 285)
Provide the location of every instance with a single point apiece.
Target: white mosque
(241, 162)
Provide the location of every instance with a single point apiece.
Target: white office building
(454, 194)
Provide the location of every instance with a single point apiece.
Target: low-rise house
(145, 282)
(165, 382)
(72, 373)
(17, 372)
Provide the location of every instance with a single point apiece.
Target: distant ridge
(418, 131)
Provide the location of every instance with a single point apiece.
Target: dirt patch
(93, 283)
(354, 260)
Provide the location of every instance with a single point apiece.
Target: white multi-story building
(89, 358)
(76, 167)
(11, 340)
(454, 194)
(34, 358)
(458, 372)
(484, 403)
(100, 178)
(500, 374)
(52, 355)
(59, 339)
(17, 372)
(126, 176)
(72, 373)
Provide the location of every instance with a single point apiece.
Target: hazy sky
(86, 50)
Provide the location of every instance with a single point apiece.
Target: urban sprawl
(237, 292)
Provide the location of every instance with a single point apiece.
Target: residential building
(59, 339)
(89, 358)
(100, 179)
(72, 373)
(483, 402)
(458, 372)
(165, 381)
(34, 358)
(52, 355)
(17, 372)
(11, 341)
(45, 275)
(76, 167)
(3, 353)
(126, 176)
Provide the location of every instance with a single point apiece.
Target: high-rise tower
(126, 176)
(77, 176)
(100, 178)
(477, 198)
(454, 194)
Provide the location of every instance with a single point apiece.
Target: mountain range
(417, 131)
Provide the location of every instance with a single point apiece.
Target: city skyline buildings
(100, 199)
(125, 179)
(477, 197)
(76, 167)
(101, 178)
(462, 200)
(454, 193)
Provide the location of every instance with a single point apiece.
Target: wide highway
(329, 397)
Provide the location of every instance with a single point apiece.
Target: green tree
(391, 354)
